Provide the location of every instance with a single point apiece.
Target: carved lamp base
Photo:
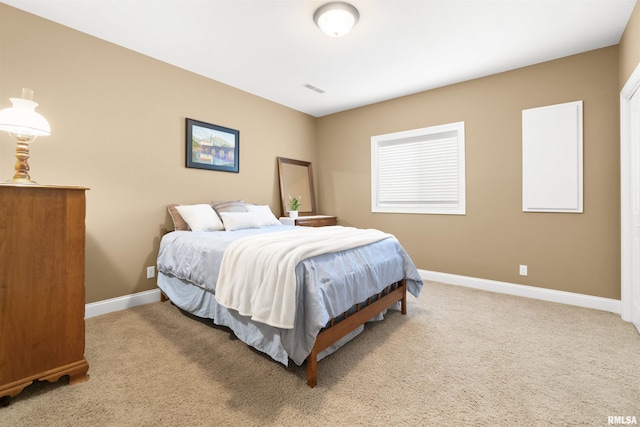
(21, 175)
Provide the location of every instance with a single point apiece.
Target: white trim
(120, 303)
(551, 295)
(580, 300)
(626, 197)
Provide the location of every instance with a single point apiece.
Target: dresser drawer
(316, 222)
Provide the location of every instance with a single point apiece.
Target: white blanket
(257, 275)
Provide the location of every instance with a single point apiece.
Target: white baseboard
(551, 295)
(570, 298)
(120, 303)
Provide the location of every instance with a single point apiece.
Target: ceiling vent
(313, 88)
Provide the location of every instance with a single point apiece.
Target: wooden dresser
(42, 294)
(310, 221)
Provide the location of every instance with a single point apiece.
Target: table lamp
(24, 125)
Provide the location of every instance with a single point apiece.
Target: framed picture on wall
(212, 147)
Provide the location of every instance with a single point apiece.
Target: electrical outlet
(523, 270)
(151, 272)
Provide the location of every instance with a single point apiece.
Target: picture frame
(212, 147)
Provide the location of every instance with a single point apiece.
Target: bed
(301, 313)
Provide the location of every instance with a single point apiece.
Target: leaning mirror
(296, 180)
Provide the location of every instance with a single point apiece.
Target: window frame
(428, 134)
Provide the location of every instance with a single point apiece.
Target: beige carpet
(460, 357)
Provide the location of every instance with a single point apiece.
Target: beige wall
(570, 252)
(117, 120)
(630, 47)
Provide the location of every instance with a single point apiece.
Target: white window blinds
(419, 171)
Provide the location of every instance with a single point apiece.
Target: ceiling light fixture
(336, 19)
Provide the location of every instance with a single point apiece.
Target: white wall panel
(552, 175)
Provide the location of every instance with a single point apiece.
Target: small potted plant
(294, 204)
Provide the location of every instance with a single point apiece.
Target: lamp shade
(336, 19)
(21, 120)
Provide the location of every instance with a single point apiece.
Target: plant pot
(293, 214)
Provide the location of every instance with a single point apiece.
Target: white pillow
(240, 220)
(266, 216)
(200, 217)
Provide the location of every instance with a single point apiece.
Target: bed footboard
(348, 322)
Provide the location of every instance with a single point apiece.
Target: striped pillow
(229, 206)
(178, 222)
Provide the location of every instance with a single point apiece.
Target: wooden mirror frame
(303, 187)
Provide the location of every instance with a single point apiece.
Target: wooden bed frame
(364, 312)
(338, 328)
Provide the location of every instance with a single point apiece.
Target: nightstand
(310, 221)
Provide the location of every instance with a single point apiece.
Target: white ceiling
(271, 48)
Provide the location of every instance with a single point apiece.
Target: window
(419, 171)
